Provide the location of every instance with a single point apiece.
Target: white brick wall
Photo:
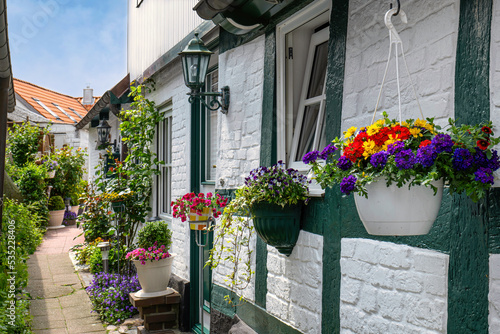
(295, 284)
(495, 75)
(429, 41)
(388, 288)
(494, 294)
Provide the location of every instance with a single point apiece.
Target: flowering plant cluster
(117, 196)
(153, 253)
(275, 185)
(414, 153)
(109, 294)
(197, 202)
(51, 165)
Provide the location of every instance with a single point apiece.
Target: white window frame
(284, 82)
(166, 156)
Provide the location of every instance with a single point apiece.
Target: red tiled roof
(57, 107)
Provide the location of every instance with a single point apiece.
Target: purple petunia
(442, 143)
(462, 159)
(310, 157)
(481, 160)
(379, 159)
(348, 184)
(426, 155)
(344, 163)
(484, 175)
(395, 147)
(405, 159)
(329, 149)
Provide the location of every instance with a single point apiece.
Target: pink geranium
(192, 202)
(151, 254)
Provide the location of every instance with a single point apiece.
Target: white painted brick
(277, 307)
(350, 290)
(408, 281)
(436, 285)
(429, 313)
(382, 277)
(495, 266)
(392, 256)
(348, 247)
(368, 298)
(391, 305)
(367, 252)
(430, 262)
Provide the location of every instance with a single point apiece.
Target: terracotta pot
(399, 211)
(56, 218)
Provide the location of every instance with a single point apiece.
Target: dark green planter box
(277, 226)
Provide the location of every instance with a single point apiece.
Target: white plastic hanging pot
(399, 211)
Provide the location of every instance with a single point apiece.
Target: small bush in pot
(56, 203)
(154, 232)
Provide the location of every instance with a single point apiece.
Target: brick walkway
(59, 303)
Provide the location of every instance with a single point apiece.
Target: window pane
(212, 85)
(318, 71)
(308, 130)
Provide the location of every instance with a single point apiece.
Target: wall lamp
(195, 59)
(103, 134)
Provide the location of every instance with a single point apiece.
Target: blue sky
(65, 45)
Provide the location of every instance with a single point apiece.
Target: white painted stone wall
(388, 288)
(170, 87)
(494, 295)
(242, 69)
(429, 41)
(495, 75)
(295, 284)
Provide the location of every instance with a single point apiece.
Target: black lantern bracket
(214, 103)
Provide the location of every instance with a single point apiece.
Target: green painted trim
(330, 311)
(253, 315)
(494, 221)
(260, 272)
(468, 285)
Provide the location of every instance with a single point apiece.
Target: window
(209, 121)
(302, 56)
(164, 151)
(64, 112)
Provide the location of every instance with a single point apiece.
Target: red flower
(482, 144)
(486, 130)
(425, 143)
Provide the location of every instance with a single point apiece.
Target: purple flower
(426, 155)
(344, 163)
(395, 147)
(405, 159)
(442, 143)
(379, 159)
(310, 157)
(462, 159)
(484, 175)
(481, 160)
(329, 149)
(348, 184)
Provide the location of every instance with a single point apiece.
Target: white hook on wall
(393, 34)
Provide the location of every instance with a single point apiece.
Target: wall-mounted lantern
(195, 59)
(103, 130)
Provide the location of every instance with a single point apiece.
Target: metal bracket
(214, 103)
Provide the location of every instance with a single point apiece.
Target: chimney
(88, 97)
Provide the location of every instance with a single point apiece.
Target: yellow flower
(370, 148)
(350, 132)
(415, 132)
(387, 143)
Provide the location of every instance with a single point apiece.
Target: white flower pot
(56, 218)
(399, 211)
(51, 174)
(154, 277)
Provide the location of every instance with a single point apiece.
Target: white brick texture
(405, 295)
(494, 294)
(295, 284)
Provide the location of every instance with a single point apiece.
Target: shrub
(109, 296)
(95, 259)
(67, 182)
(22, 143)
(152, 232)
(56, 203)
(96, 217)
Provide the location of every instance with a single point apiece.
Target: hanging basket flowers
(409, 153)
(192, 204)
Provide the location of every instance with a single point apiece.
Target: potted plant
(152, 259)
(51, 166)
(397, 170)
(118, 199)
(69, 218)
(198, 208)
(56, 211)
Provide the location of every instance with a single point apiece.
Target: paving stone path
(59, 302)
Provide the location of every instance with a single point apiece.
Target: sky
(65, 45)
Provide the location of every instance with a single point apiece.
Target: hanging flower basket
(390, 210)
(278, 226)
(117, 206)
(199, 221)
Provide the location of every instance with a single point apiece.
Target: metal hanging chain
(396, 40)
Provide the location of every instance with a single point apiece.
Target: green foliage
(95, 220)
(95, 259)
(20, 237)
(152, 232)
(31, 181)
(22, 143)
(68, 179)
(56, 203)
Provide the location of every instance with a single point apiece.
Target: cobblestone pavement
(59, 302)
